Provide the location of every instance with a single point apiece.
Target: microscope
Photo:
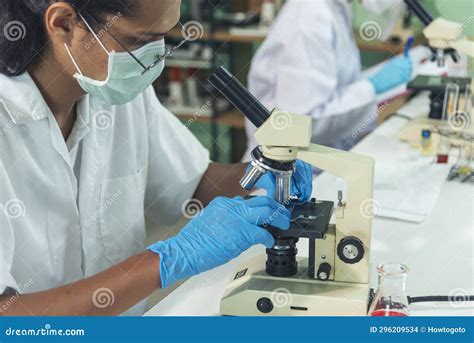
(449, 120)
(444, 37)
(333, 279)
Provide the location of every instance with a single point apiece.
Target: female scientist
(310, 64)
(87, 149)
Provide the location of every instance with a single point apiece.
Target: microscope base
(252, 292)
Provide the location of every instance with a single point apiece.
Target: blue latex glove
(395, 72)
(223, 230)
(301, 182)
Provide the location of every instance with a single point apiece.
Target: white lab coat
(69, 210)
(310, 64)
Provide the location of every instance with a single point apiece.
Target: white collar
(24, 103)
(22, 99)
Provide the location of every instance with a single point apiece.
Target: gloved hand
(395, 72)
(301, 182)
(223, 230)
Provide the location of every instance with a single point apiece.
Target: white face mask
(125, 79)
(380, 6)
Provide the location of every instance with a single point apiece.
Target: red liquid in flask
(387, 308)
(390, 299)
(388, 313)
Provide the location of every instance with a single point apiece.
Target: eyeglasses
(168, 53)
(159, 58)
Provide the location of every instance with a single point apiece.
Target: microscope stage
(308, 220)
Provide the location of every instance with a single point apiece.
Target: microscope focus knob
(264, 305)
(324, 271)
(350, 250)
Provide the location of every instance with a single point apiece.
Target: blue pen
(408, 45)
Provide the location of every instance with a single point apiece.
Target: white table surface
(439, 251)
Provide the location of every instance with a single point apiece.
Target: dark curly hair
(22, 30)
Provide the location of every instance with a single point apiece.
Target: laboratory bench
(439, 251)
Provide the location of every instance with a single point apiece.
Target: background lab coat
(310, 64)
(69, 210)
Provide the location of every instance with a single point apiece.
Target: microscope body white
(444, 34)
(293, 141)
(346, 291)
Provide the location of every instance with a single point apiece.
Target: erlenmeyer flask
(390, 299)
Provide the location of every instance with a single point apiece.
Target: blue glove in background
(301, 182)
(393, 74)
(222, 231)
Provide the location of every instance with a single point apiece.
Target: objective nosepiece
(440, 57)
(251, 177)
(282, 191)
(281, 170)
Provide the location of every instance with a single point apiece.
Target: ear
(62, 22)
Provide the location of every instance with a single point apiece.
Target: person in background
(310, 64)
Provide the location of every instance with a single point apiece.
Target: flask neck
(391, 299)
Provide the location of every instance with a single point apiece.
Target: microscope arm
(354, 217)
(357, 170)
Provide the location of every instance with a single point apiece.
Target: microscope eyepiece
(239, 96)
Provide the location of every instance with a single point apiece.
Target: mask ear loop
(93, 33)
(96, 38)
(73, 59)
